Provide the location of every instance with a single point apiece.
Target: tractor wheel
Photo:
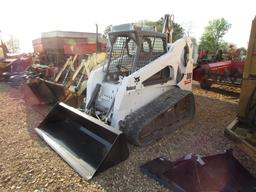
(205, 84)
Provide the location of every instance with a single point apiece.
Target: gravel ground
(28, 164)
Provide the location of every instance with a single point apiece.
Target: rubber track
(134, 122)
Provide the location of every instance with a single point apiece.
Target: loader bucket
(221, 172)
(57, 89)
(42, 91)
(88, 145)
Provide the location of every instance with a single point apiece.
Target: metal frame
(139, 35)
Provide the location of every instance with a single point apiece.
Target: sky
(26, 19)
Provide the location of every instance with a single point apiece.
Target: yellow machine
(5, 61)
(69, 83)
(243, 129)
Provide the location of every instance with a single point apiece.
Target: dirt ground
(28, 164)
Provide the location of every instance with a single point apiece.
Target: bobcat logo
(136, 79)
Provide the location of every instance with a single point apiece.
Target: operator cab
(131, 48)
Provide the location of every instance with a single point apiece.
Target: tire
(205, 84)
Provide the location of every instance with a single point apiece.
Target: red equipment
(12, 63)
(224, 72)
(56, 46)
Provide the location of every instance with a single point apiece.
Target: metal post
(97, 39)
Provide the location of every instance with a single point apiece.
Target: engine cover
(106, 96)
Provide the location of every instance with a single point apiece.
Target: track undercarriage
(160, 117)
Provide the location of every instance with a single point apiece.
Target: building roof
(91, 37)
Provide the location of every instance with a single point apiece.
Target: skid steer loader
(141, 93)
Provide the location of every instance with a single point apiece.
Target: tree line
(211, 40)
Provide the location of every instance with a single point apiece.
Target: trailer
(56, 47)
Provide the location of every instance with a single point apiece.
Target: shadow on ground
(232, 93)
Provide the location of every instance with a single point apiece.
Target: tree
(212, 38)
(106, 31)
(13, 44)
(178, 32)
(243, 50)
(195, 49)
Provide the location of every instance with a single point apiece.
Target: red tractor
(219, 71)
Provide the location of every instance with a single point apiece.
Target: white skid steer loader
(141, 93)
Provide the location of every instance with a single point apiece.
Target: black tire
(205, 84)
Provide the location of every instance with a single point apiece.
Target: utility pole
(97, 39)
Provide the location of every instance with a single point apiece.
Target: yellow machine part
(68, 65)
(1, 53)
(78, 83)
(87, 66)
(249, 74)
(243, 129)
